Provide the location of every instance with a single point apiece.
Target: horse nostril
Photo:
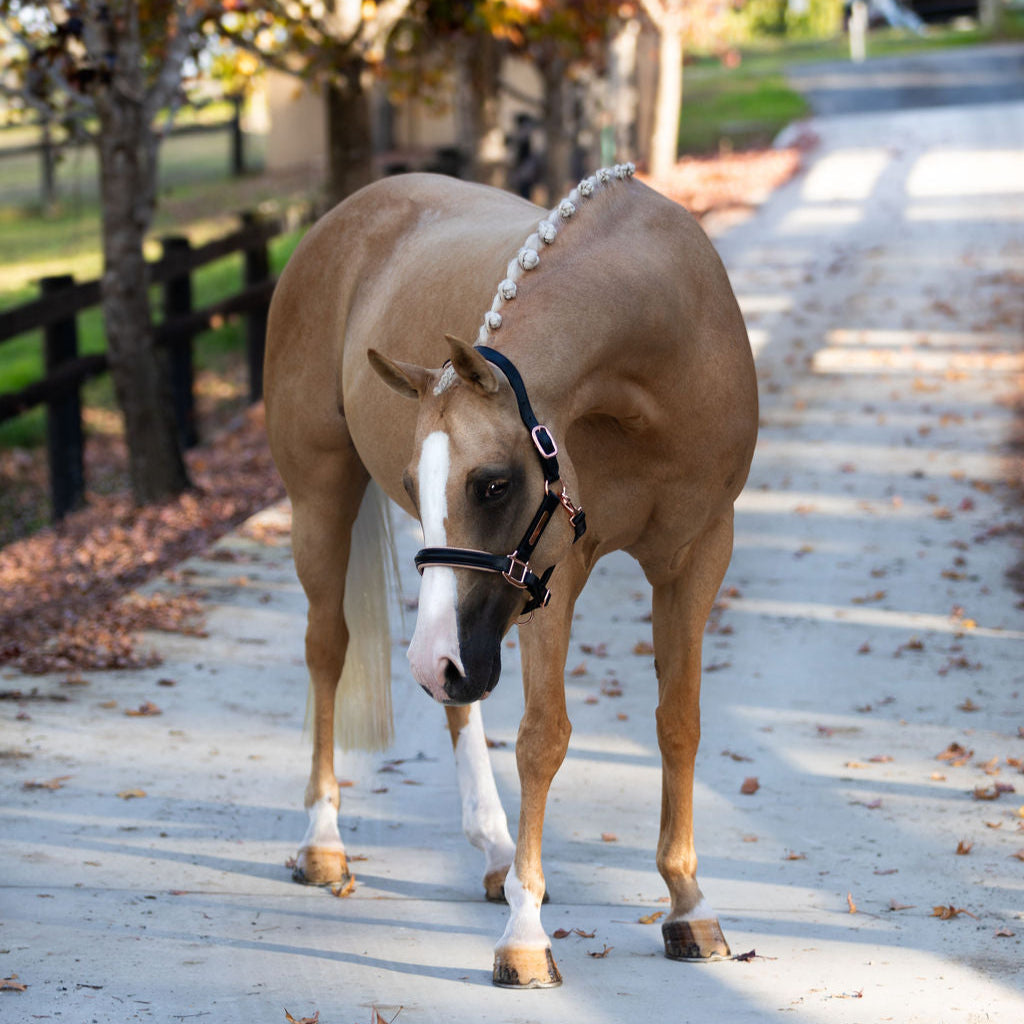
(452, 677)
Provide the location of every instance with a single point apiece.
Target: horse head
(481, 486)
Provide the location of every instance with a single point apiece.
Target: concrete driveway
(865, 666)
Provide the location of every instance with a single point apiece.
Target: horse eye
(495, 489)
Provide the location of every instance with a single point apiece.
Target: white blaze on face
(436, 638)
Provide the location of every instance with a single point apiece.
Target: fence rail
(56, 313)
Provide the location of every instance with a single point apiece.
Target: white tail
(362, 708)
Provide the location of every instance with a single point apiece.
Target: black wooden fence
(62, 300)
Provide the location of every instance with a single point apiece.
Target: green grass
(21, 359)
(750, 104)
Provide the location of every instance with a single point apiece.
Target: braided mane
(528, 257)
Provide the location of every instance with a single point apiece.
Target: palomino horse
(612, 372)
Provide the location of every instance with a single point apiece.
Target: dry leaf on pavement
(302, 1020)
(949, 912)
(145, 710)
(750, 785)
(651, 918)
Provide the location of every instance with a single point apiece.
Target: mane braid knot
(528, 257)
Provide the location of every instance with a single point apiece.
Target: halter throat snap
(515, 567)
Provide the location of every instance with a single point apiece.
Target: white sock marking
(483, 817)
(524, 930)
(322, 831)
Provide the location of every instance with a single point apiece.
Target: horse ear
(471, 366)
(408, 380)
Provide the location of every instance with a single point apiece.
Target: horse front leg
(321, 540)
(483, 817)
(680, 610)
(522, 957)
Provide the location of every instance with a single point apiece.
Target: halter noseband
(516, 566)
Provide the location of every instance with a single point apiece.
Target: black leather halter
(516, 566)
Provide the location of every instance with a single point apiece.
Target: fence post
(257, 270)
(237, 137)
(178, 302)
(64, 438)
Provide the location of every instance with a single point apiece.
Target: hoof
(525, 968)
(694, 940)
(320, 866)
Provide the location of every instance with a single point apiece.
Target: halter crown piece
(515, 568)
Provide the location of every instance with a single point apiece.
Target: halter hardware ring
(540, 434)
(516, 565)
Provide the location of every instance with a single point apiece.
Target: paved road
(867, 624)
(973, 75)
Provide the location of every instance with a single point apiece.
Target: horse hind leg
(681, 607)
(483, 817)
(322, 523)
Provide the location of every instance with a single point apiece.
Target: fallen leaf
(854, 764)
(956, 755)
(968, 705)
(1019, 855)
(343, 889)
(948, 912)
(302, 1020)
(611, 689)
(751, 954)
(1003, 933)
(964, 847)
(993, 824)
(651, 918)
(886, 871)
(597, 650)
(893, 905)
(987, 793)
(132, 794)
(880, 759)
(56, 783)
(560, 933)
(750, 785)
(579, 670)
(602, 954)
(736, 757)
(791, 855)
(643, 647)
(145, 710)
(850, 903)
(609, 837)
(12, 984)
(582, 934)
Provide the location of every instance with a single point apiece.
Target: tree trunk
(349, 134)
(479, 76)
(128, 169)
(558, 147)
(623, 92)
(669, 101)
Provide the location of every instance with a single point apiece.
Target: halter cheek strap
(516, 567)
